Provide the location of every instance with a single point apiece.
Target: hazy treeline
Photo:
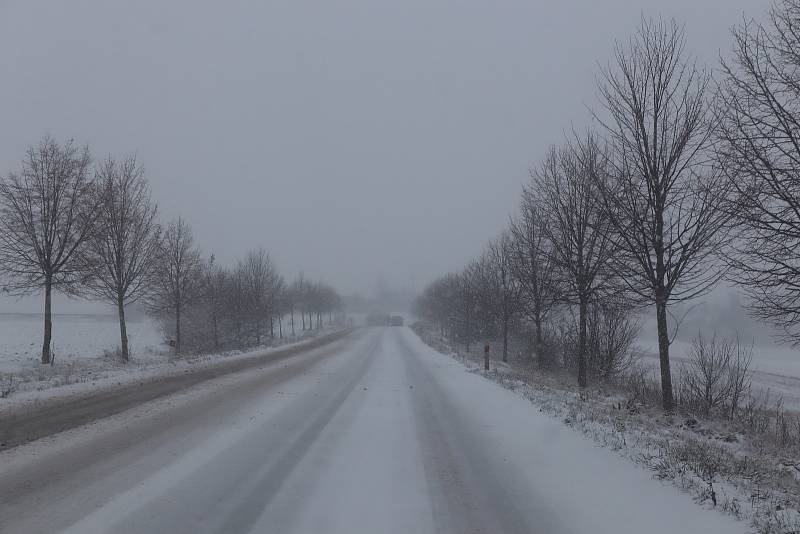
(241, 306)
(687, 177)
(92, 230)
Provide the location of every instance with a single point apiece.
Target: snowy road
(373, 433)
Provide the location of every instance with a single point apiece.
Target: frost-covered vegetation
(86, 354)
(738, 456)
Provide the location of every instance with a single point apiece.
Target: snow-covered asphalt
(374, 433)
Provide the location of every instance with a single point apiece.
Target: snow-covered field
(84, 346)
(776, 368)
(85, 355)
(75, 338)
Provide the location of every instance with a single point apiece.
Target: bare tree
(121, 255)
(484, 284)
(566, 185)
(315, 301)
(259, 277)
(759, 150)
(500, 255)
(331, 301)
(47, 213)
(283, 303)
(216, 286)
(453, 301)
(532, 266)
(236, 305)
(177, 276)
(295, 296)
(665, 201)
(612, 336)
(301, 287)
(276, 302)
(716, 374)
(438, 303)
(467, 303)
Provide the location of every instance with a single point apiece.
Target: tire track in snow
(270, 480)
(470, 493)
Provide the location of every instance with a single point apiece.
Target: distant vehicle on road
(378, 319)
(397, 320)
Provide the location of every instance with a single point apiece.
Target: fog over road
(372, 433)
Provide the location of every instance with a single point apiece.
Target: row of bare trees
(684, 181)
(93, 231)
(552, 267)
(241, 306)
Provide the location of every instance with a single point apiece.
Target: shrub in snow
(716, 376)
(7, 386)
(610, 340)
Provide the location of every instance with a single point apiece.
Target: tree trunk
(177, 330)
(292, 320)
(280, 327)
(582, 343)
(303, 316)
(258, 332)
(505, 340)
(663, 354)
(272, 327)
(48, 319)
(215, 322)
(539, 348)
(123, 329)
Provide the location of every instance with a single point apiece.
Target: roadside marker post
(486, 357)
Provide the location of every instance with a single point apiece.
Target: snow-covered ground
(85, 357)
(84, 346)
(382, 435)
(736, 473)
(776, 366)
(75, 338)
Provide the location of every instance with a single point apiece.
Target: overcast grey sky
(352, 139)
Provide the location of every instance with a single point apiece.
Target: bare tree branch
(759, 150)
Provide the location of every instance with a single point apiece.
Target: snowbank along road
(54, 414)
(372, 433)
